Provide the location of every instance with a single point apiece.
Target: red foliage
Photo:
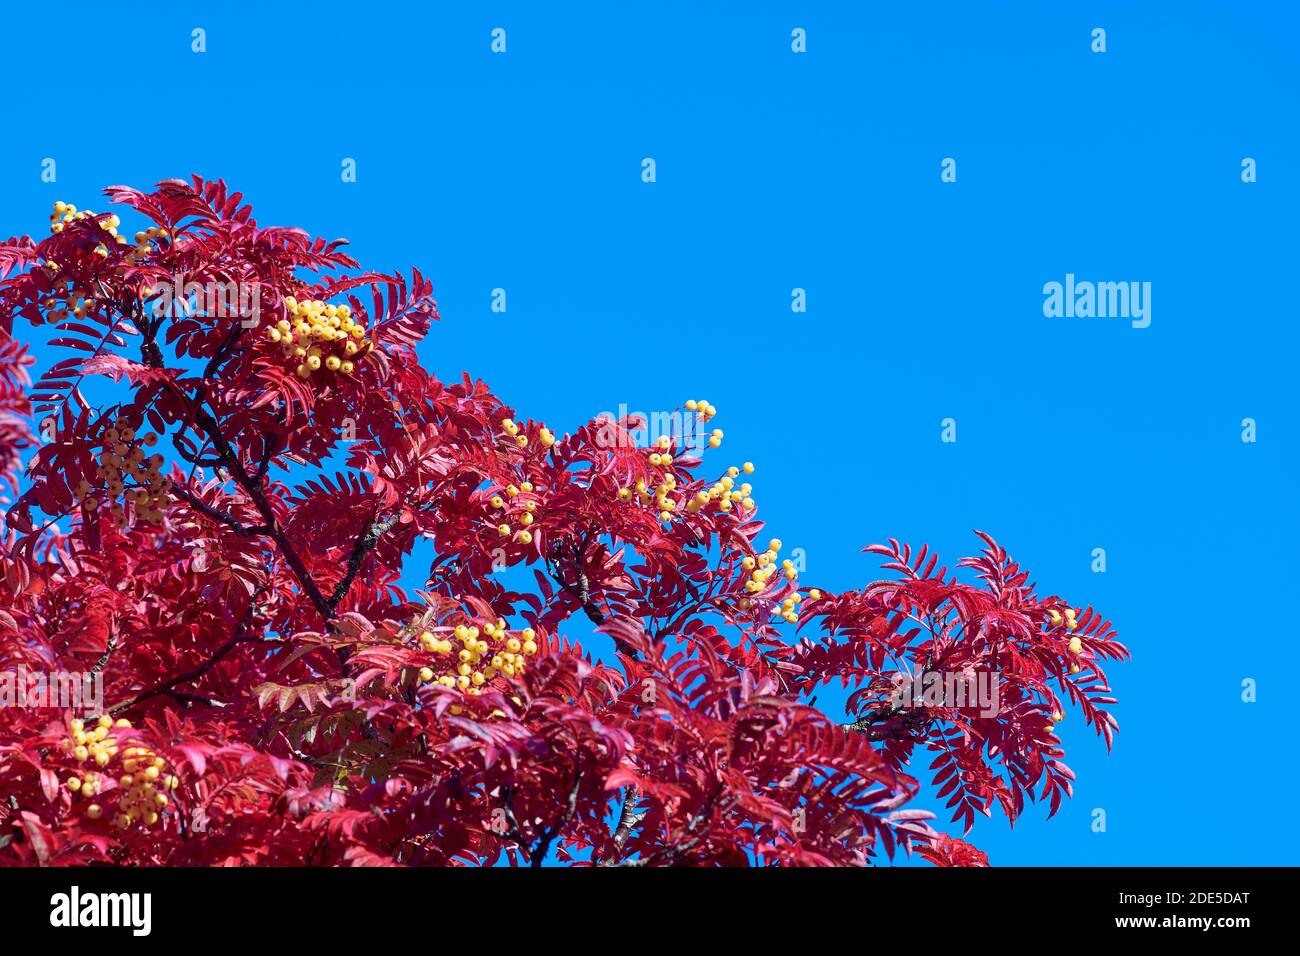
(947, 850)
(271, 695)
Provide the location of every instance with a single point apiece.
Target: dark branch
(365, 543)
(166, 687)
(108, 651)
(217, 514)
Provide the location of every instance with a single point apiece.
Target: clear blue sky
(822, 171)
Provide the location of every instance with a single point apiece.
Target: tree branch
(217, 514)
(195, 673)
(365, 543)
(628, 819)
(253, 488)
(254, 491)
(544, 843)
(580, 588)
(108, 651)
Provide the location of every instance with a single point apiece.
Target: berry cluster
(1069, 619)
(513, 431)
(1070, 615)
(65, 213)
(660, 457)
(125, 475)
(726, 492)
(74, 303)
(663, 492)
(519, 505)
(142, 240)
(319, 336)
(760, 571)
(483, 655)
(706, 410)
(141, 788)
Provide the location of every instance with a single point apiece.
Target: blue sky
(821, 171)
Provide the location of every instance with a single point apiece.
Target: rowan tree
(216, 509)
